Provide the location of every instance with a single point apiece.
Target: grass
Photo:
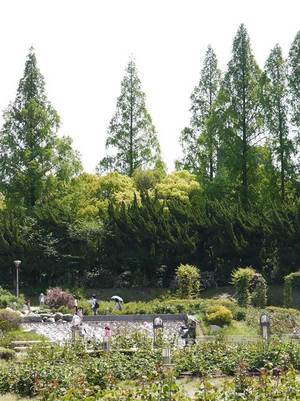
(239, 329)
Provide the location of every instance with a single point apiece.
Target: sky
(83, 47)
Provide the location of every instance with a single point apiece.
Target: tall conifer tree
(294, 80)
(132, 142)
(240, 114)
(27, 137)
(198, 141)
(275, 99)
(31, 154)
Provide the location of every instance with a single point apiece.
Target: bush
(240, 315)
(259, 291)
(9, 320)
(291, 281)
(56, 298)
(242, 279)
(7, 299)
(86, 306)
(219, 315)
(188, 279)
(6, 353)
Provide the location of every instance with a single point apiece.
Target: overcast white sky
(83, 46)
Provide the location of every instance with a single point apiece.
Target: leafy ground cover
(70, 373)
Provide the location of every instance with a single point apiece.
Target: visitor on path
(183, 332)
(107, 331)
(118, 302)
(42, 299)
(95, 304)
(76, 326)
(79, 312)
(106, 339)
(75, 304)
(118, 305)
(28, 305)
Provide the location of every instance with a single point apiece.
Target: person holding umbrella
(118, 300)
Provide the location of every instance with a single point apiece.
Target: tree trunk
(281, 153)
(244, 146)
(131, 129)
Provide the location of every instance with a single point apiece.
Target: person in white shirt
(76, 325)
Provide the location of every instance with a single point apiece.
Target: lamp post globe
(17, 263)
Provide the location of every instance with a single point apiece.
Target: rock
(33, 330)
(14, 311)
(32, 318)
(214, 328)
(67, 317)
(50, 320)
(46, 315)
(58, 316)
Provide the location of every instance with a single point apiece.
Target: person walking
(95, 304)
(42, 299)
(118, 305)
(75, 326)
(75, 304)
(107, 337)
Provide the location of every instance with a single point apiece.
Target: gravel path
(61, 331)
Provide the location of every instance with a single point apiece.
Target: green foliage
(127, 340)
(294, 80)
(32, 156)
(266, 388)
(7, 354)
(19, 335)
(276, 108)
(188, 280)
(7, 299)
(259, 291)
(224, 210)
(9, 320)
(219, 356)
(146, 180)
(242, 279)
(239, 118)
(180, 185)
(69, 373)
(290, 281)
(199, 142)
(132, 142)
(219, 315)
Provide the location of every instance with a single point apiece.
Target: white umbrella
(117, 298)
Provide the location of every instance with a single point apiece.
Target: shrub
(259, 291)
(56, 298)
(219, 315)
(240, 315)
(290, 281)
(6, 353)
(241, 279)
(86, 306)
(8, 299)
(188, 279)
(9, 320)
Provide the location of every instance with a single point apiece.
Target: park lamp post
(158, 327)
(17, 263)
(265, 326)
